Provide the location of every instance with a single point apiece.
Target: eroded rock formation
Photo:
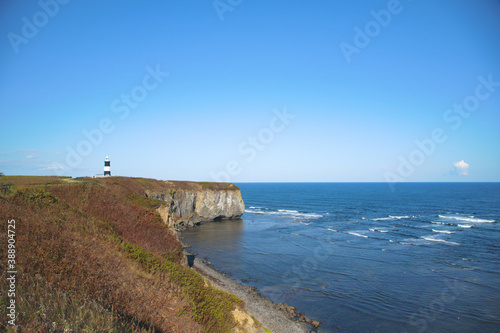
(189, 203)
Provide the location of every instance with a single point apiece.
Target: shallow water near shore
(361, 258)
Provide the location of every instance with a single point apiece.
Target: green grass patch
(209, 306)
(218, 186)
(145, 202)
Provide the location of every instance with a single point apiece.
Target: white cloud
(52, 167)
(32, 155)
(460, 168)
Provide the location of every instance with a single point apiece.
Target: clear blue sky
(355, 85)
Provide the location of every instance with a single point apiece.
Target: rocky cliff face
(189, 204)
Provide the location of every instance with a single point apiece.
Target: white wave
(283, 212)
(295, 214)
(400, 217)
(356, 234)
(431, 239)
(442, 231)
(466, 226)
(253, 211)
(412, 243)
(332, 230)
(391, 217)
(467, 218)
(372, 230)
(475, 219)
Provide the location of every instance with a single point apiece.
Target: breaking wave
(356, 234)
(442, 231)
(283, 212)
(390, 217)
(431, 239)
(467, 219)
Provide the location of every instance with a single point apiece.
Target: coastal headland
(103, 254)
(190, 203)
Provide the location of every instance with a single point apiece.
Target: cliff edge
(190, 203)
(96, 256)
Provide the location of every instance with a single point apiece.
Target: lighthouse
(107, 167)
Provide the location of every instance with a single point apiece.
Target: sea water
(365, 257)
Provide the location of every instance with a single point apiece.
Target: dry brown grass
(95, 256)
(69, 250)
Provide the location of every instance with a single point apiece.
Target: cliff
(98, 249)
(190, 203)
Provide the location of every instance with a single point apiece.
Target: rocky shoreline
(189, 204)
(275, 317)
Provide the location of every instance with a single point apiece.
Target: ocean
(360, 257)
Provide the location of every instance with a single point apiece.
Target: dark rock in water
(315, 324)
(290, 311)
(302, 318)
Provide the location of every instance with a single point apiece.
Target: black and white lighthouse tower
(107, 167)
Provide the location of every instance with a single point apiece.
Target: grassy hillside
(94, 256)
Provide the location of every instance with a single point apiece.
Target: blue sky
(252, 90)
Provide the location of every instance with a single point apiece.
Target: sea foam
(356, 234)
(442, 231)
(431, 239)
(467, 219)
(391, 217)
(283, 212)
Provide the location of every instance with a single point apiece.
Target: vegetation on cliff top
(93, 255)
